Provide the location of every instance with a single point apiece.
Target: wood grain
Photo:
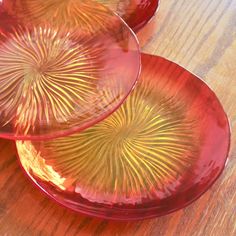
(199, 35)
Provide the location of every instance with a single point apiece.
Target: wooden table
(199, 35)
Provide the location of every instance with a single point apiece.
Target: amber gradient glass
(64, 65)
(158, 152)
(136, 13)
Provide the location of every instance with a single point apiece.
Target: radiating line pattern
(61, 69)
(44, 75)
(88, 15)
(158, 152)
(85, 13)
(146, 145)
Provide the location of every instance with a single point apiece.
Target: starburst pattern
(158, 152)
(93, 16)
(61, 67)
(51, 74)
(146, 145)
(90, 16)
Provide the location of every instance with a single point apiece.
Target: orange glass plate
(136, 13)
(158, 152)
(64, 65)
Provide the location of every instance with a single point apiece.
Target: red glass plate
(64, 65)
(162, 149)
(136, 13)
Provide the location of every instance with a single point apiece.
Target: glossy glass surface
(158, 152)
(136, 13)
(64, 65)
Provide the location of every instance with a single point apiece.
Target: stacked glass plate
(95, 130)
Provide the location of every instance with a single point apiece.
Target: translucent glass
(158, 152)
(64, 65)
(136, 13)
